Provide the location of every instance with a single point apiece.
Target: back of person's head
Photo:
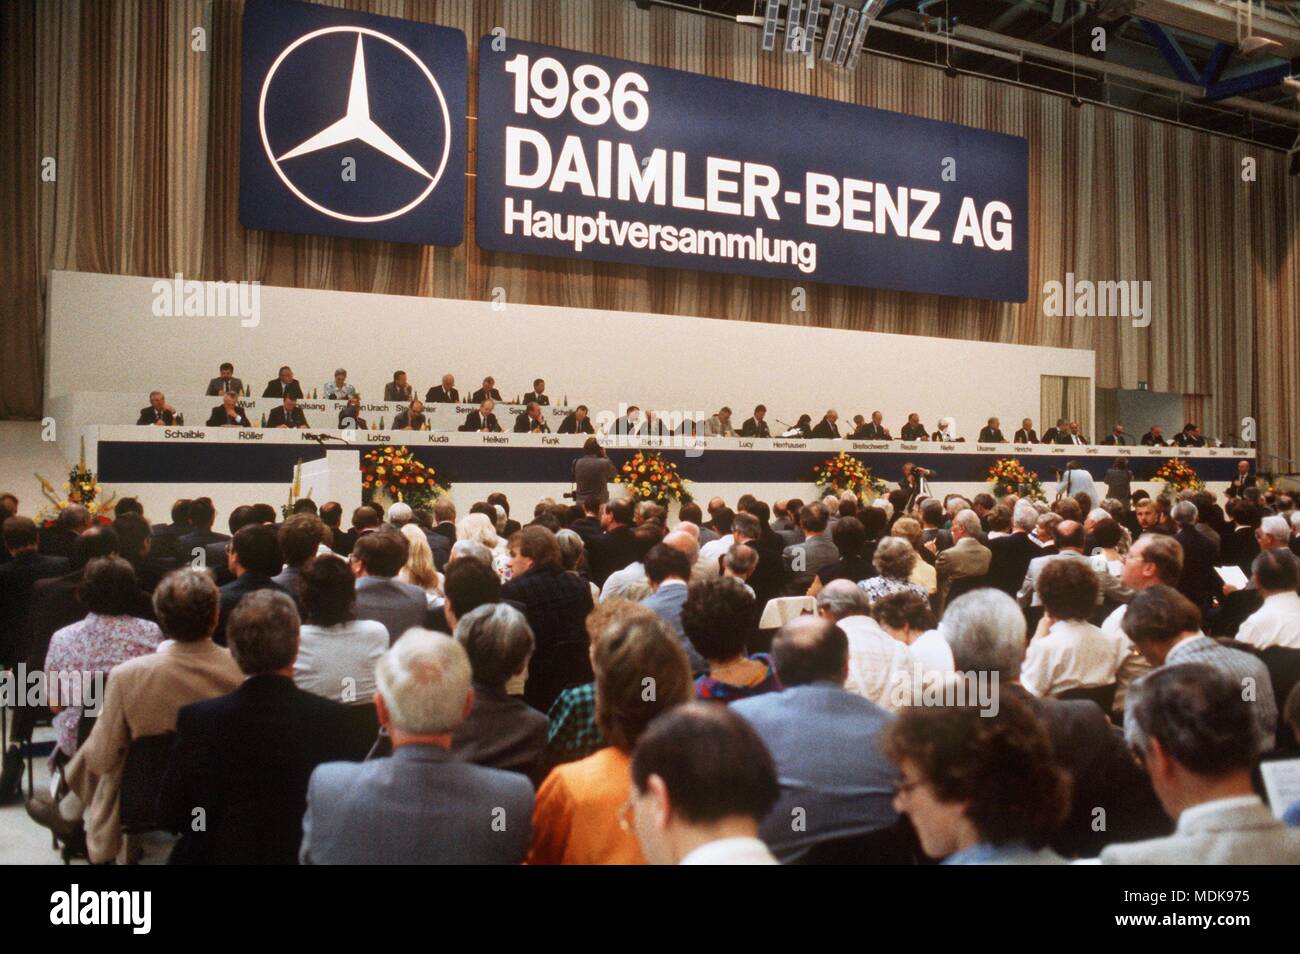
(1164, 553)
(690, 512)
(849, 537)
(128, 505)
(968, 521)
(539, 545)
(644, 537)
(479, 527)
(299, 537)
(424, 682)
(843, 598)
(571, 548)
(201, 513)
(304, 505)
(625, 654)
(73, 517)
(364, 518)
(382, 553)
(186, 603)
(747, 526)
(894, 558)
(814, 518)
(873, 520)
(1107, 532)
(760, 509)
(245, 515)
(1069, 534)
(810, 649)
(664, 562)
(902, 609)
(711, 762)
(1069, 589)
(1275, 570)
(741, 559)
(499, 499)
(108, 587)
(1184, 513)
(331, 514)
(469, 584)
(498, 640)
(98, 541)
(905, 528)
(257, 547)
(1198, 715)
(986, 631)
(471, 550)
(722, 519)
(1000, 767)
(1024, 516)
(1159, 615)
(262, 632)
(621, 510)
(444, 510)
(264, 513)
(1000, 518)
(328, 591)
(717, 616)
(419, 566)
(181, 510)
(932, 512)
(400, 514)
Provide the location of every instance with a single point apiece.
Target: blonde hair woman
(419, 569)
(478, 528)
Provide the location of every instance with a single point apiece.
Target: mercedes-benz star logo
(356, 125)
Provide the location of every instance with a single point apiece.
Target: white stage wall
(103, 336)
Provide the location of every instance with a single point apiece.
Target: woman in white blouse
(1068, 652)
(336, 651)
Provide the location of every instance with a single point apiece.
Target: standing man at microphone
(592, 472)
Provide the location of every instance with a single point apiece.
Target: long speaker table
(126, 454)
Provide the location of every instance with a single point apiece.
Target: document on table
(1281, 783)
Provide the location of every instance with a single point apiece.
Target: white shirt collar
(730, 851)
(1197, 813)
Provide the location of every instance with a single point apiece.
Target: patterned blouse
(81, 655)
(879, 587)
(573, 733)
(715, 690)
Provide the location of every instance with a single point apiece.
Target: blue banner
(585, 156)
(353, 125)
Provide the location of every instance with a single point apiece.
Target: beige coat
(966, 557)
(142, 699)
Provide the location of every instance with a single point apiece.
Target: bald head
(810, 649)
(1069, 535)
(689, 529)
(841, 598)
(685, 544)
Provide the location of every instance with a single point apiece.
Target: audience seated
(17, 578)
(907, 617)
(816, 550)
(254, 560)
(1277, 621)
(894, 561)
(1068, 652)
(878, 663)
(668, 572)
(376, 560)
(702, 781)
(717, 618)
(422, 804)
(336, 651)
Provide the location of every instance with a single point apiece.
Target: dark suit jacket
(1065, 437)
(1010, 562)
(402, 421)
(394, 393)
(1239, 484)
(990, 435)
(526, 425)
(278, 417)
(753, 428)
(474, 422)
(1050, 435)
(1023, 436)
(1198, 582)
(236, 590)
(166, 541)
(611, 551)
(55, 542)
(501, 732)
(913, 432)
(1239, 548)
(219, 418)
(556, 604)
(531, 398)
(872, 431)
(825, 429)
(216, 386)
(245, 758)
(479, 396)
(274, 389)
(440, 395)
(570, 425)
(1151, 441)
(1119, 484)
(150, 416)
(17, 579)
(440, 546)
(344, 541)
(1124, 441)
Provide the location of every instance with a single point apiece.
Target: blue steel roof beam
(1173, 53)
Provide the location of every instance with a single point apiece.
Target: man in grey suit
(1195, 734)
(225, 382)
(835, 783)
(967, 557)
(817, 550)
(1119, 483)
(376, 559)
(669, 571)
(1070, 537)
(421, 805)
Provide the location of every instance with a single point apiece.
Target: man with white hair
(1277, 622)
(877, 661)
(967, 557)
(1198, 582)
(421, 805)
(1273, 533)
(1009, 556)
(400, 514)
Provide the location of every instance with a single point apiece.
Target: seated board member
(483, 419)
(158, 412)
(398, 389)
(228, 413)
(578, 421)
(288, 414)
(991, 433)
(486, 392)
(532, 421)
(538, 394)
(827, 426)
(444, 393)
(225, 381)
(283, 386)
(411, 418)
(914, 430)
(756, 426)
(350, 416)
(1026, 434)
(339, 389)
(873, 430)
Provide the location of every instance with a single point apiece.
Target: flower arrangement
(650, 477)
(395, 474)
(844, 472)
(1009, 476)
(1177, 475)
(83, 488)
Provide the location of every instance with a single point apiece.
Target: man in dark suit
(377, 558)
(756, 426)
(826, 427)
(1026, 434)
(483, 419)
(914, 430)
(538, 394)
(616, 547)
(486, 392)
(158, 412)
(1243, 479)
(411, 417)
(17, 577)
(991, 433)
(135, 545)
(1154, 437)
(768, 576)
(1189, 436)
(427, 803)
(445, 393)
(1052, 434)
(1071, 436)
(873, 430)
(398, 389)
(246, 757)
(201, 515)
(444, 516)
(341, 541)
(253, 559)
(167, 536)
(1011, 554)
(1117, 435)
(532, 421)
(283, 386)
(1119, 481)
(228, 413)
(288, 414)
(60, 539)
(225, 382)
(577, 421)
(1198, 582)
(588, 525)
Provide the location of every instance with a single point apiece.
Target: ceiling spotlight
(1076, 102)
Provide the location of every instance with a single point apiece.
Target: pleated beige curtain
(1068, 398)
(144, 133)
